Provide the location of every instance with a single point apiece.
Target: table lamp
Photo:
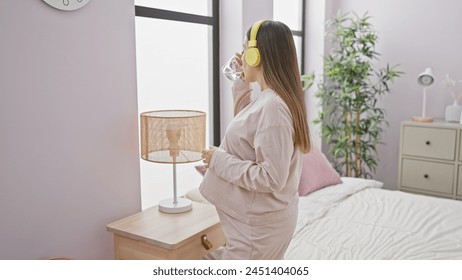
(172, 136)
(425, 79)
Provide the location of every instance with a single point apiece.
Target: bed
(357, 219)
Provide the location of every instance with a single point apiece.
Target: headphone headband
(253, 33)
(252, 55)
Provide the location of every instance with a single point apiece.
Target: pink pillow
(317, 173)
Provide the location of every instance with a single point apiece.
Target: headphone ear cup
(252, 57)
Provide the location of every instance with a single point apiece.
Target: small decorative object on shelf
(453, 112)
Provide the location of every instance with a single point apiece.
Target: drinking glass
(231, 69)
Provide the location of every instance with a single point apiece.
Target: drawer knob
(206, 243)
(427, 143)
(426, 176)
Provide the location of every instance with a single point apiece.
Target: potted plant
(351, 122)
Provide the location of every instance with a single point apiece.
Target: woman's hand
(238, 57)
(207, 155)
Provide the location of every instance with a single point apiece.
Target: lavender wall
(68, 121)
(415, 34)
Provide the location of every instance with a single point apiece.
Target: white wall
(315, 15)
(236, 17)
(414, 34)
(68, 121)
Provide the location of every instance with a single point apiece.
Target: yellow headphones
(252, 55)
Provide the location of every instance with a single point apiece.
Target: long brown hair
(280, 70)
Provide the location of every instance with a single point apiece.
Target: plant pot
(452, 113)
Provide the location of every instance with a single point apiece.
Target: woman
(253, 176)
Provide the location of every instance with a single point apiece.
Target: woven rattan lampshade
(172, 136)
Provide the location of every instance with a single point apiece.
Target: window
(292, 13)
(177, 68)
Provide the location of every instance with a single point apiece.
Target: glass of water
(232, 69)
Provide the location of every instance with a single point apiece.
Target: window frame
(301, 34)
(214, 22)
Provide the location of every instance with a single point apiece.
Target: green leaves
(351, 123)
(308, 80)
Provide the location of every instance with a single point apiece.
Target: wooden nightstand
(153, 235)
(430, 160)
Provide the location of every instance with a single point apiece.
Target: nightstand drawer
(192, 249)
(437, 143)
(154, 235)
(196, 249)
(427, 176)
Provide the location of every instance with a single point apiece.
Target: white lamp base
(167, 205)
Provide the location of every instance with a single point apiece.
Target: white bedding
(359, 220)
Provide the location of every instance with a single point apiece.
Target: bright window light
(173, 72)
(288, 12)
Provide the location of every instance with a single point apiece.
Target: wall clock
(67, 5)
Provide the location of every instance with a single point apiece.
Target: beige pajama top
(254, 174)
